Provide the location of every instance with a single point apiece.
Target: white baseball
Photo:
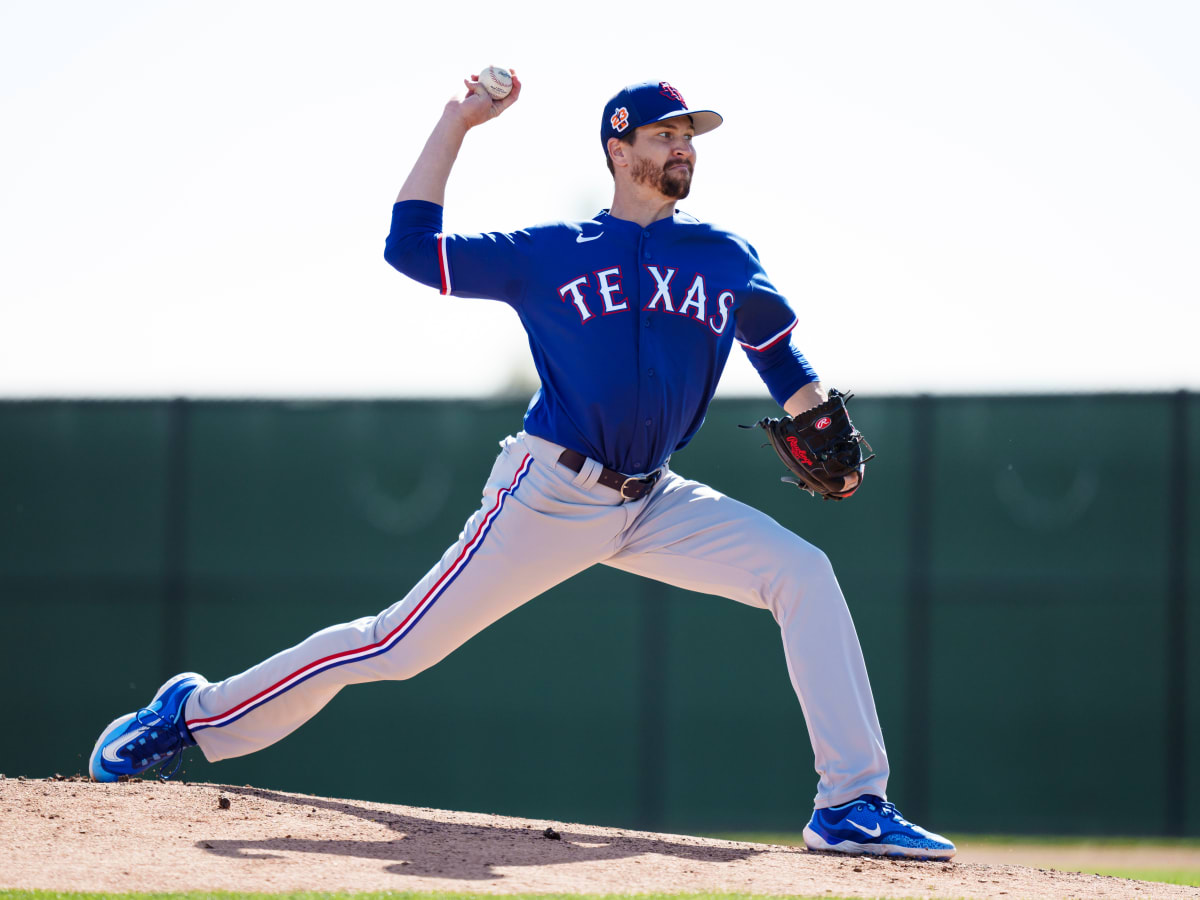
(496, 81)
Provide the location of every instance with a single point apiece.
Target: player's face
(663, 157)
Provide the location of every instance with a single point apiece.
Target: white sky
(956, 196)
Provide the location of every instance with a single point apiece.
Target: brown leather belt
(629, 488)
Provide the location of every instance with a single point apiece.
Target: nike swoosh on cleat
(580, 239)
(873, 832)
(110, 750)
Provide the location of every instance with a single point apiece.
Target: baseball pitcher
(631, 316)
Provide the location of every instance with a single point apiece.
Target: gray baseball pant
(539, 524)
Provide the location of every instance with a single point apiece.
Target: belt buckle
(647, 481)
(624, 483)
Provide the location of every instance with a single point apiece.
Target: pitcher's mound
(73, 835)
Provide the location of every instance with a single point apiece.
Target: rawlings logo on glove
(822, 449)
(797, 452)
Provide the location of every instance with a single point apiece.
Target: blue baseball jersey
(629, 327)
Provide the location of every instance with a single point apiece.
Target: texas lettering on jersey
(604, 291)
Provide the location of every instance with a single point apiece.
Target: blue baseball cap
(650, 101)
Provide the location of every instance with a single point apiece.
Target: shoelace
(888, 810)
(170, 736)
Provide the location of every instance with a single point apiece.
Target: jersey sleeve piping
(444, 265)
(771, 341)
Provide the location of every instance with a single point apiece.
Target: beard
(673, 184)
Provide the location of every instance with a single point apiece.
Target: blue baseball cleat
(871, 825)
(151, 736)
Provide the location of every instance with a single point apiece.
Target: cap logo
(667, 91)
(620, 119)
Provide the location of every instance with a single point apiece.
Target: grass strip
(1190, 877)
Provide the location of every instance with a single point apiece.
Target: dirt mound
(146, 836)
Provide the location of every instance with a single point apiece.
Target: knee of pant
(405, 665)
(402, 672)
(405, 659)
(805, 567)
(392, 666)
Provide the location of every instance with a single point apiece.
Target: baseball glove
(821, 447)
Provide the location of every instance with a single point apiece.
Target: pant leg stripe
(393, 637)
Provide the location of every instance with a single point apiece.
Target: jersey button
(648, 423)
(645, 234)
(650, 372)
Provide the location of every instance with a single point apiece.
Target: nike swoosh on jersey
(110, 750)
(873, 832)
(580, 239)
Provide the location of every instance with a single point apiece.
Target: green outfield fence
(1022, 573)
